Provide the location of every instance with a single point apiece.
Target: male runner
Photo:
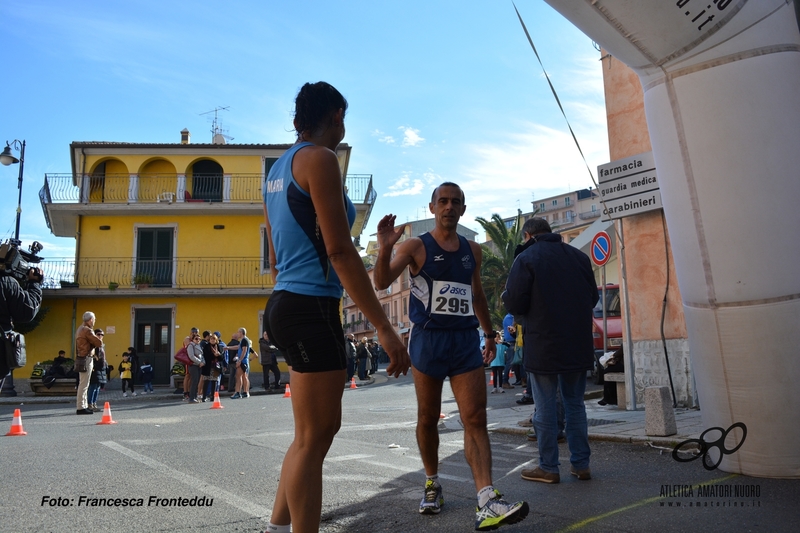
(446, 307)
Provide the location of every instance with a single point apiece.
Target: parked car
(613, 327)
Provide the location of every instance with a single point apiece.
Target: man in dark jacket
(552, 286)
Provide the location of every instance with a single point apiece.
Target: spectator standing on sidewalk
(147, 376)
(350, 349)
(231, 349)
(268, 355)
(552, 286)
(362, 355)
(86, 342)
(195, 353)
(98, 377)
(497, 365)
(126, 374)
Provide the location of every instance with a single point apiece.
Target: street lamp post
(7, 158)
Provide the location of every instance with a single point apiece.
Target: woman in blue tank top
(308, 218)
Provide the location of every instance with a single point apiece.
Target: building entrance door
(153, 341)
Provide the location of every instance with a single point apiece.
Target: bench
(61, 387)
(619, 378)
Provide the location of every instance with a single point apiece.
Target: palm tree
(498, 256)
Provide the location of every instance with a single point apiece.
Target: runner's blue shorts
(441, 353)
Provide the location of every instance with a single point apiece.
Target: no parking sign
(601, 248)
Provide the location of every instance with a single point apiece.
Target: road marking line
(350, 457)
(232, 499)
(579, 525)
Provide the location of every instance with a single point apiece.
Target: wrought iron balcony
(152, 188)
(586, 215)
(64, 197)
(179, 274)
(175, 188)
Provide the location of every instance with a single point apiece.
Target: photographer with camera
(19, 303)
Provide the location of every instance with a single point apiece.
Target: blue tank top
(300, 256)
(441, 293)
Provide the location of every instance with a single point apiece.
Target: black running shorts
(308, 330)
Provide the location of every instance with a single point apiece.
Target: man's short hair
(536, 226)
(206, 333)
(61, 352)
(448, 184)
(87, 316)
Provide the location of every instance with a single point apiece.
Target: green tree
(498, 256)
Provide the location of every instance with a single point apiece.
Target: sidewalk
(113, 393)
(607, 423)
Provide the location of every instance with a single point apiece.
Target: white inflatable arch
(721, 82)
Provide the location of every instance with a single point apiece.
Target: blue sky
(438, 91)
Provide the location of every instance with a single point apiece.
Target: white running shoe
(498, 512)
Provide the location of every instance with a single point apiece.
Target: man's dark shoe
(84, 412)
(582, 474)
(525, 401)
(537, 474)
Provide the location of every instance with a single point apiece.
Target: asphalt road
(165, 449)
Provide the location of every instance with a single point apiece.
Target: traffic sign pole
(600, 254)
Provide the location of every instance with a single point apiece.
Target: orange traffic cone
(353, 383)
(288, 393)
(217, 404)
(16, 426)
(106, 415)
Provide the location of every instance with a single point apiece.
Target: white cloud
(511, 170)
(382, 137)
(405, 186)
(411, 136)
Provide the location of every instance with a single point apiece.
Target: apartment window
(405, 306)
(555, 217)
(594, 208)
(541, 206)
(555, 203)
(567, 200)
(154, 256)
(509, 224)
(268, 162)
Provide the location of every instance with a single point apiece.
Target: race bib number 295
(451, 298)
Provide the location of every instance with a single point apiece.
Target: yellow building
(167, 237)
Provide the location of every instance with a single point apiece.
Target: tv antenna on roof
(217, 135)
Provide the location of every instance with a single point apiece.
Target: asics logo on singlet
(453, 290)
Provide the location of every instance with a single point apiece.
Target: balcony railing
(175, 188)
(144, 188)
(130, 273)
(586, 215)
